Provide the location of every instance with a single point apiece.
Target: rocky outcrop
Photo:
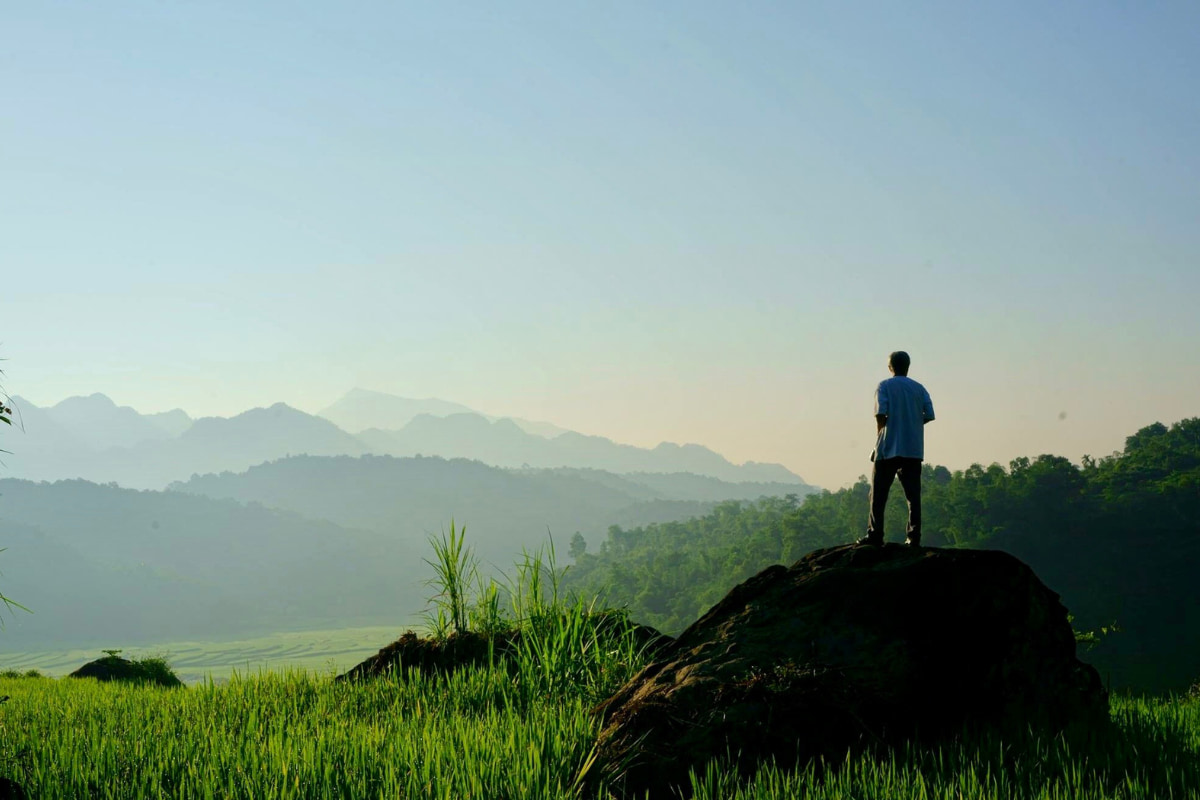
(851, 646)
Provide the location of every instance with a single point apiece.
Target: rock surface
(11, 790)
(427, 656)
(851, 646)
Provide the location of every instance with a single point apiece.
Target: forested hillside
(113, 567)
(1118, 537)
(505, 509)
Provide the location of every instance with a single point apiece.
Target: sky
(691, 222)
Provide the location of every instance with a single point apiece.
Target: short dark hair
(900, 361)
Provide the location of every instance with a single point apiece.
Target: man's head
(898, 362)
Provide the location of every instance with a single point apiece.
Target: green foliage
(1118, 538)
(471, 734)
(455, 568)
(668, 574)
(578, 546)
(1151, 754)
(477, 733)
(16, 673)
(157, 670)
(1086, 640)
(154, 670)
(568, 645)
(565, 644)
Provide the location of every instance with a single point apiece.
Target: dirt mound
(851, 646)
(115, 668)
(467, 649)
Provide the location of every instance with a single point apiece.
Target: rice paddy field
(197, 661)
(490, 733)
(515, 728)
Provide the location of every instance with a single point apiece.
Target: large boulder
(851, 646)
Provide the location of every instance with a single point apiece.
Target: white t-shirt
(907, 407)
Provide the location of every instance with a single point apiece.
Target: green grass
(504, 731)
(1154, 752)
(292, 736)
(507, 731)
(484, 734)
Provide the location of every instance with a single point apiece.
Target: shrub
(149, 669)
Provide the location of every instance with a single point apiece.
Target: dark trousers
(884, 472)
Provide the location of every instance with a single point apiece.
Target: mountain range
(147, 527)
(95, 439)
(300, 541)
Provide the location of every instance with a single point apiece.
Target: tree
(578, 546)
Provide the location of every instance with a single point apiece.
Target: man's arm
(881, 406)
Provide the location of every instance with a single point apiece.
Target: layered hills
(275, 518)
(95, 439)
(109, 566)
(304, 541)
(507, 510)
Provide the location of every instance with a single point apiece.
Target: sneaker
(871, 539)
(913, 541)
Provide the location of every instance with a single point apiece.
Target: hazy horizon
(681, 222)
(1118, 437)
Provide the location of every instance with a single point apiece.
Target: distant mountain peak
(360, 393)
(362, 409)
(94, 399)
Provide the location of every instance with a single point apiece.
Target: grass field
(314, 651)
(484, 734)
(498, 732)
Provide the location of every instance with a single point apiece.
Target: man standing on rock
(902, 407)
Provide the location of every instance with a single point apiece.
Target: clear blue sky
(692, 221)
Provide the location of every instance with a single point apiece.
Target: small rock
(11, 790)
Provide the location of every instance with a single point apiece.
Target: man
(902, 408)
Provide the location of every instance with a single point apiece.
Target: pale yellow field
(315, 651)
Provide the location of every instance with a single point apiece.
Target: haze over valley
(163, 527)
